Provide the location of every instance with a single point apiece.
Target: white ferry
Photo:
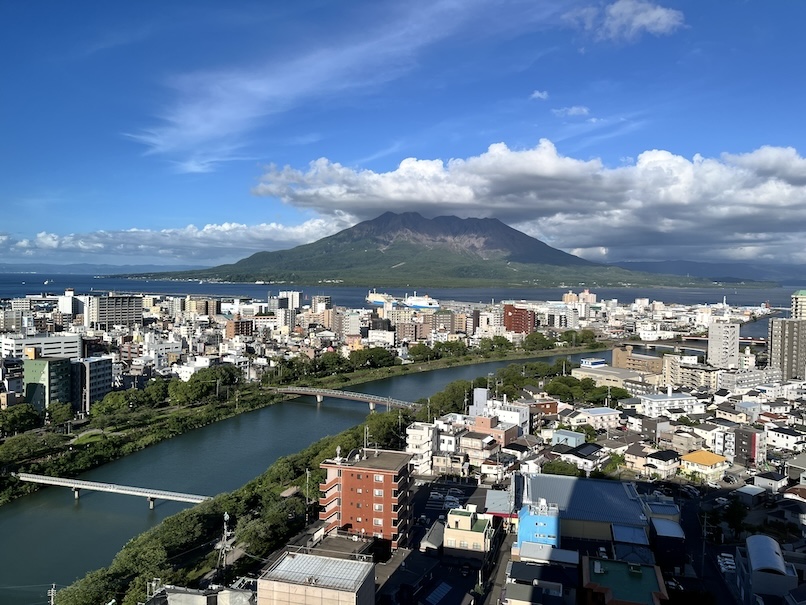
(421, 302)
(379, 299)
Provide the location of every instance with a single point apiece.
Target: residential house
(704, 465)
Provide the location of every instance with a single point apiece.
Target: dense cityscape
(558, 483)
(403, 303)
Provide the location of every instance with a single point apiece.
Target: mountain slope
(407, 249)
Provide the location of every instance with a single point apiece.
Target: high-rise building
(104, 312)
(46, 380)
(723, 344)
(366, 493)
(786, 346)
(798, 305)
(91, 381)
(521, 321)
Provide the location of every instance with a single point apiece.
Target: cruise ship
(379, 299)
(421, 302)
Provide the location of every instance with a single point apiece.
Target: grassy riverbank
(362, 376)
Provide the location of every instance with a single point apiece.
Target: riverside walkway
(77, 485)
(372, 400)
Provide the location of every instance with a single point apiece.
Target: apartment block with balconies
(367, 493)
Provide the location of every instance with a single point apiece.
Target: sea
(18, 285)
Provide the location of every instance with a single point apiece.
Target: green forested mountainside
(409, 250)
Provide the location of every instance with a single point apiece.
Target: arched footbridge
(77, 485)
(372, 400)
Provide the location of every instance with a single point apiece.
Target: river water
(48, 537)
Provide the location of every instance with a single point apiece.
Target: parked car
(436, 496)
(712, 485)
(451, 503)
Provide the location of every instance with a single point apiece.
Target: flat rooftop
(627, 582)
(369, 459)
(325, 572)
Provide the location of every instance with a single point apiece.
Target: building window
(377, 508)
(463, 544)
(358, 519)
(476, 546)
(379, 493)
(377, 522)
(359, 491)
(379, 478)
(451, 543)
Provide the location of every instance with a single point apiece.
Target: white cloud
(540, 95)
(210, 244)
(660, 205)
(214, 111)
(627, 20)
(575, 110)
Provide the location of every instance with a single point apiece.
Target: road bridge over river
(77, 485)
(372, 400)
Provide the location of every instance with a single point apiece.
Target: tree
(422, 352)
(537, 342)
(60, 412)
(18, 419)
(453, 348)
(376, 357)
(560, 467)
(735, 514)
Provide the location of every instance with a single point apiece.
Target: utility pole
(52, 594)
(307, 491)
(704, 535)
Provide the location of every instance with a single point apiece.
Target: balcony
(325, 487)
(324, 515)
(329, 498)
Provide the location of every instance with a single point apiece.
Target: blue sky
(200, 133)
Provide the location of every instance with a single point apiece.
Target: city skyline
(623, 130)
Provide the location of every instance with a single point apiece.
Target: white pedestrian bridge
(77, 485)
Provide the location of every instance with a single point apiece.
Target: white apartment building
(49, 345)
(664, 404)
(723, 344)
(507, 412)
(602, 418)
(422, 440)
(785, 438)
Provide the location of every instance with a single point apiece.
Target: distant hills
(723, 272)
(89, 268)
(409, 250)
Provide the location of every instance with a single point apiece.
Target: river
(48, 537)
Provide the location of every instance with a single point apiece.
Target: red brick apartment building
(520, 321)
(367, 494)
